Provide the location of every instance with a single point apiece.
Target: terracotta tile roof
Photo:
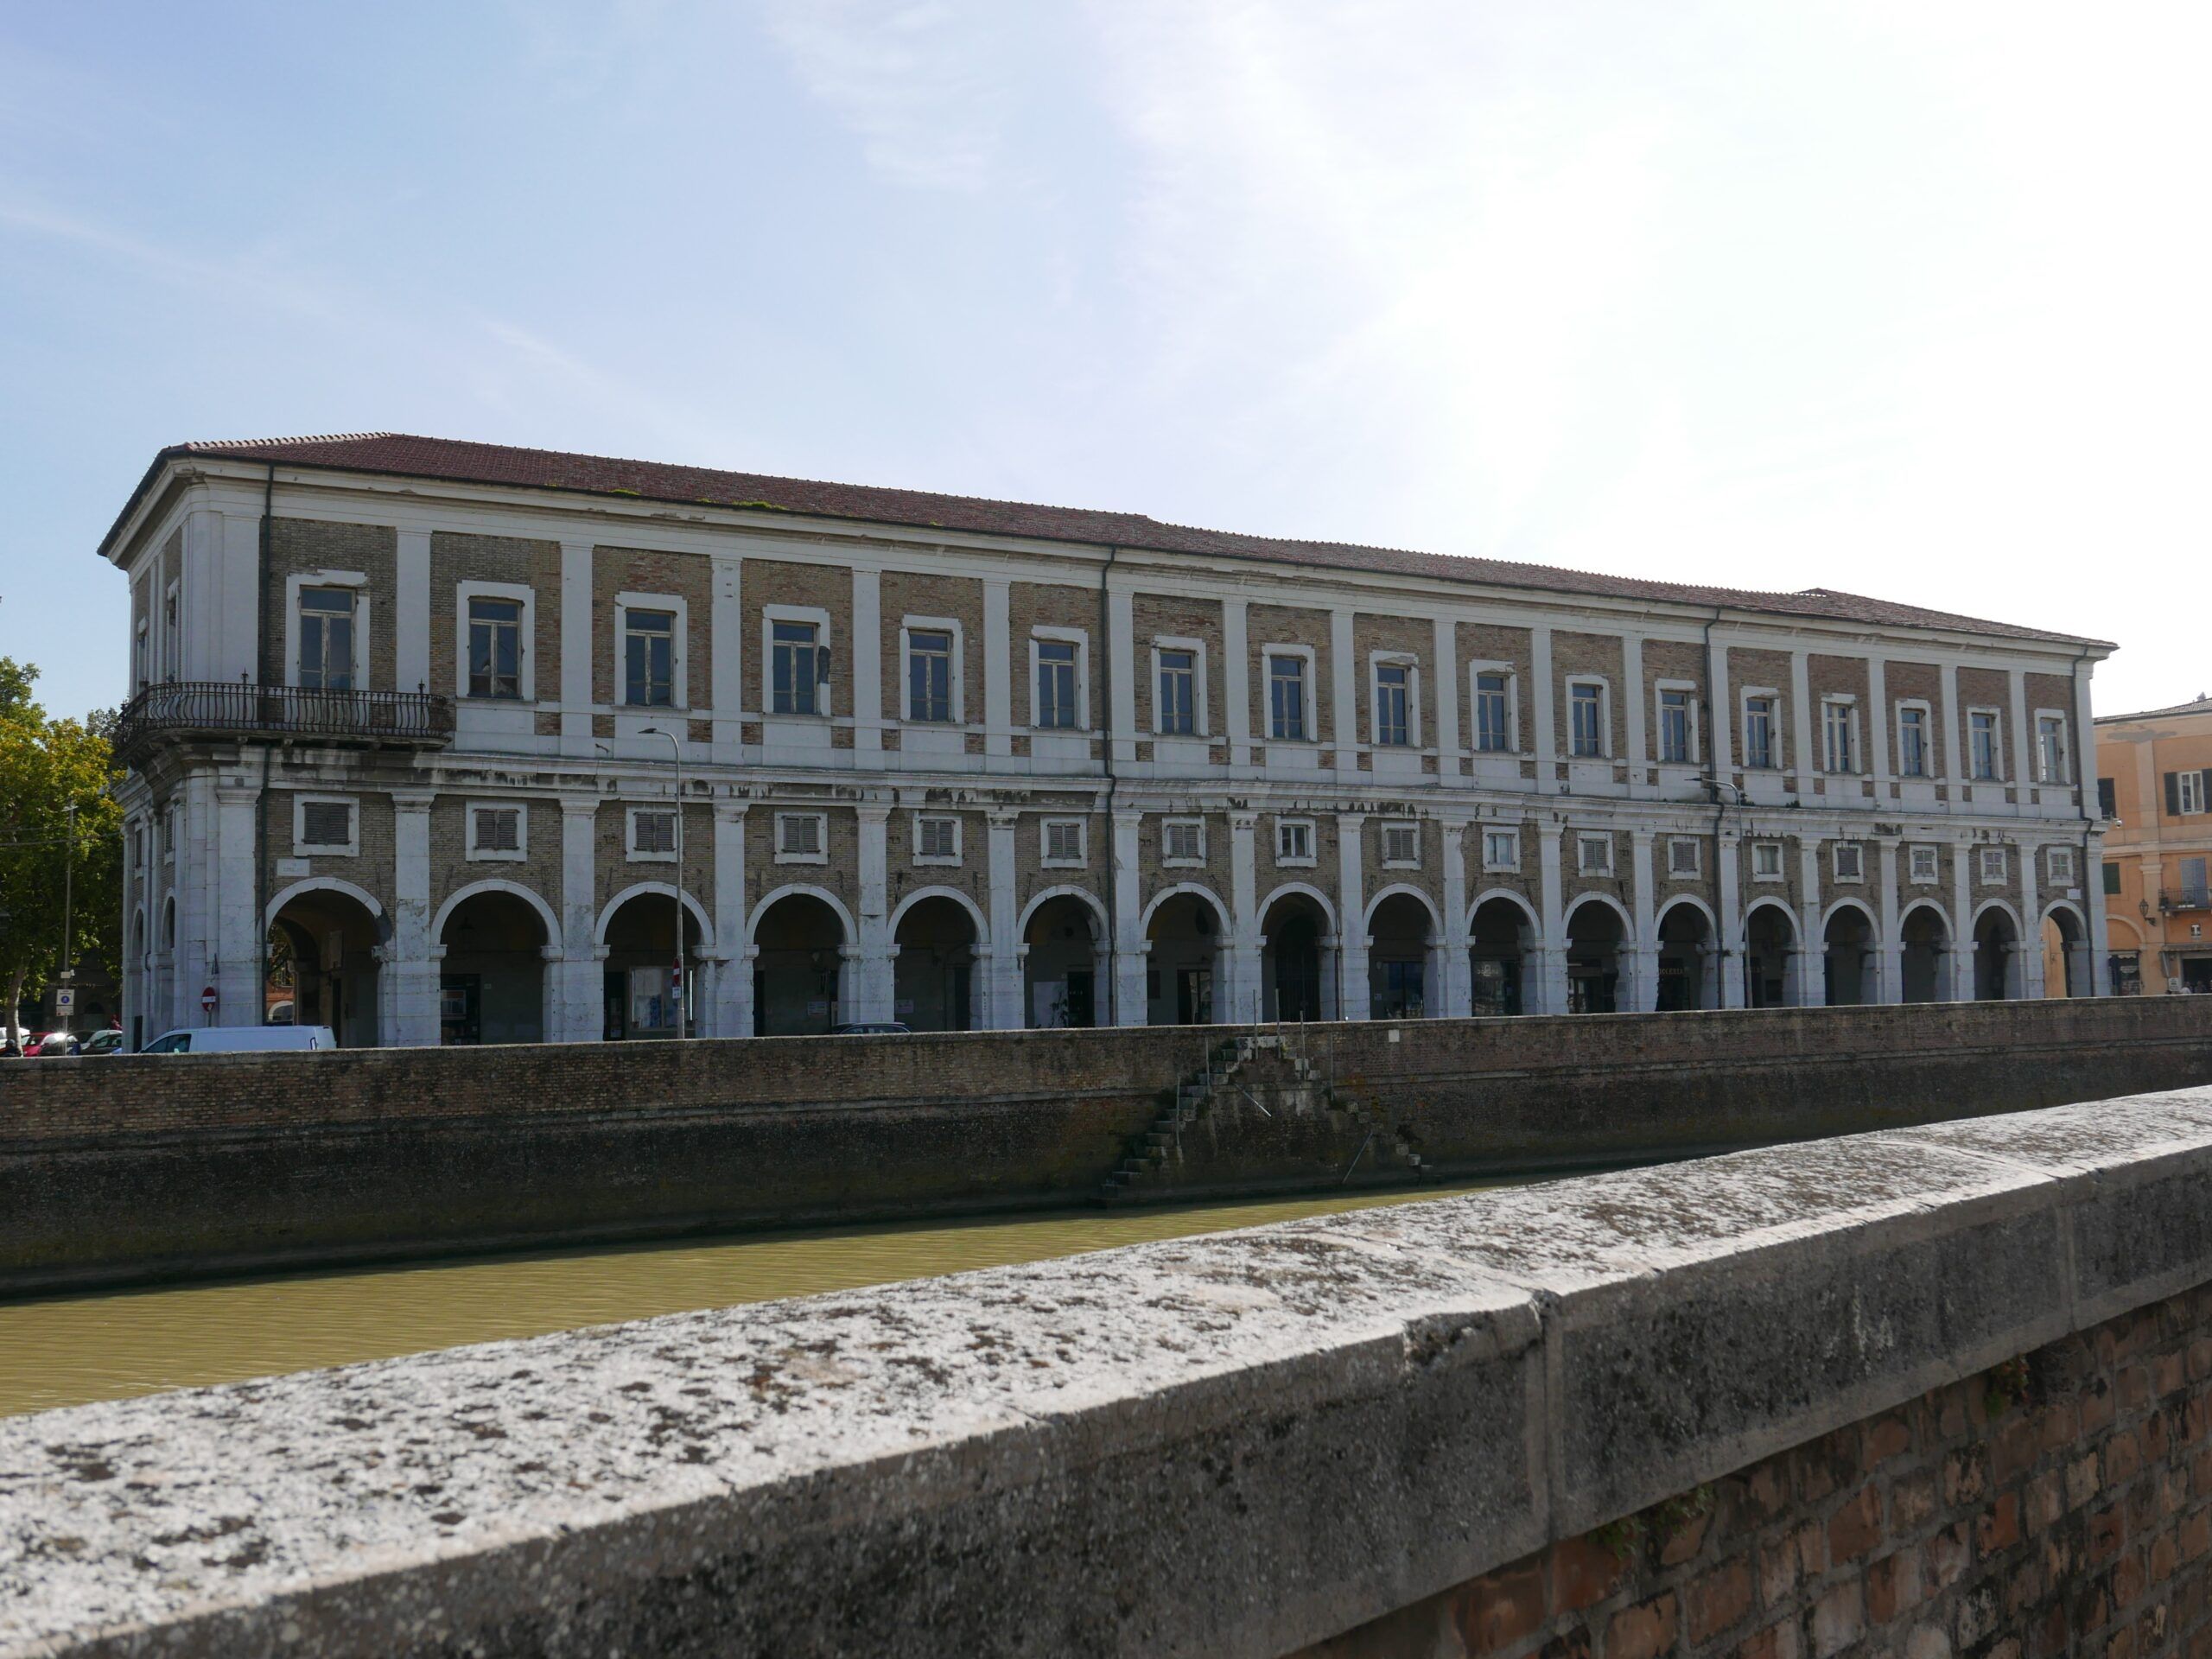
(398, 455)
(2195, 705)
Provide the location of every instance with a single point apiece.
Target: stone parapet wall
(1417, 1430)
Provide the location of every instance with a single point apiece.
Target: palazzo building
(435, 740)
(2156, 795)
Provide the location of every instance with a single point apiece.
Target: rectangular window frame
(1179, 824)
(679, 635)
(1847, 861)
(1992, 723)
(1511, 711)
(476, 851)
(1685, 857)
(1693, 748)
(295, 630)
(1309, 707)
(955, 701)
(2058, 866)
(950, 860)
(1924, 865)
(786, 818)
(1501, 850)
(825, 647)
(526, 635)
(1081, 641)
(1584, 841)
(1760, 849)
(303, 847)
(1399, 834)
(1047, 859)
(1382, 733)
(1603, 702)
(2054, 746)
(1926, 727)
(1287, 858)
(1990, 867)
(1839, 745)
(2190, 795)
(634, 854)
(1199, 726)
(1776, 748)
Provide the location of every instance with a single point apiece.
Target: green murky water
(66, 1350)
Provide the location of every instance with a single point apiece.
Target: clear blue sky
(1907, 299)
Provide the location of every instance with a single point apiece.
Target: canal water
(67, 1351)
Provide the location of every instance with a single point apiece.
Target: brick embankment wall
(112, 1170)
(2059, 1503)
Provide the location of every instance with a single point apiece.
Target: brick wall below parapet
(2059, 1506)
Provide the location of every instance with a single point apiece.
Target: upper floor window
(2050, 749)
(652, 832)
(936, 841)
(1586, 718)
(2107, 801)
(1912, 741)
(1924, 864)
(1992, 862)
(495, 647)
(1761, 712)
(1493, 712)
(1393, 705)
(1850, 861)
(327, 638)
(2185, 792)
(1593, 855)
(1293, 841)
(497, 831)
(1677, 729)
(649, 658)
(1401, 845)
(1766, 861)
(1286, 721)
(325, 823)
(1183, 841)
(797, 664)
(1838, 718)
(1177, 708)
(1063, 842)
(1501, 850)
(142, 657)
(1058, 684)
(1981, 732)
(2062, 866)
(929, 673)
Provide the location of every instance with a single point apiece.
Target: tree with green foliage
(49, 767)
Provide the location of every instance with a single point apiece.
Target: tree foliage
(47, 767)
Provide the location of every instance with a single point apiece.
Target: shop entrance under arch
(491, 978)
(322, 960)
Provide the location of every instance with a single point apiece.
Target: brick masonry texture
(2058, 1504)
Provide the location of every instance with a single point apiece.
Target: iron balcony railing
(179, 710)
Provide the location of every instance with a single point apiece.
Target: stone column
(1354, 1000)
(1343, 724)
(1962, 987)
(2020, 763)
(866, 651)
(2093, 871)
(1004, 1002)
(1644, 946)
(1889, 978)
(1120, 653)
(870, 982)
(1812, 945)
(1130, 1004)
(408, 974)
(1728, 893)
(1242, 1002)
(1879, 721)
(727, 1006)
(1456, 982)
(577, 644)
(1543, 727)
(726, 689)
(1445, 696)
(1236, 680)
(1718, 734)
(998, 668)
(235, 964)
(1637, 751)
(2031, 973)
(1547, 990)
(578, 998)
(197, 895)
(1957, 765)
(1804, 759)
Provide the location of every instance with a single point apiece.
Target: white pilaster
(1728, 887)
(1444, 692)
(1004, 1006)
(870, 988)
(726, 626)
(1544, 729)
(1643, 948)
(2020, 762)
(1130, 1006)
(1548, 981)
(1456, 988)
(1235, 680)
(1812, 953)
(1955, 734)
(2031, 971)
(1804, 761)
(1889, 981)
(1877, 725)
(1343, 720)
(197, 892)
(578, 1000)
(577, 643)
(1240, 1002)
(998, 671)
(1122, 653)
(407, 973)
(1638, 748)
(1962, 985)
(866, 649)
(411, 617)
(1719, 728)
(1355, 999)
(237, 958)
(729, 1008)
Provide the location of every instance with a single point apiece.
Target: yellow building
(2156, 787)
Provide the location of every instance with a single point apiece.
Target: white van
(240, 1039)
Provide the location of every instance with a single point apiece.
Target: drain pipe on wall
(1113, 786)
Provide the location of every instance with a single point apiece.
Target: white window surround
(1989, 864)
(1777, 746)
(2065, 769)
(1313, 691)
(293, 582)
(823, 706)
(1996, 745)
(1075, 861)
(1393, 839)
(303, 847)
(1411, 663)
(1924, 865)
(1659, 689)
(515, 854)
(1475, 672)
(1605, 715)
(1927, 712)
(1291, 859)
(1501, 850)
(1171, 828)
(630, 835)
(1760, 852)
(1848, 703)
(167, 645)
(1685, 855)
(908, 626)
(1081, 641)
(787, 832)
(1847, 861)
(1593, 854)
(2059, 863)
(678, 671)
(526, 657)
(952, 818)
(1199, 712)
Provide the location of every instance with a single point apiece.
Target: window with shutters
(1990, 862)
(1294, 840)
(2061, 861)
(497, 830)
(1848, 858)
(937, 840)
(802, 838)
(1593, 855)
(1766, 861)
(1912, 739)
(1061, 841)
(1924, 865)
(2108, 802)
(1402, 846)
(1501, 850)
(798, 663)
(2194, 893)
(327, 826)
(2185, 793)
(653, 834)
(1685, 855)
(2112, 880)
(1182, 841)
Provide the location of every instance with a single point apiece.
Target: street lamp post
(676, 751)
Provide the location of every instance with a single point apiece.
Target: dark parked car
(879, 1029)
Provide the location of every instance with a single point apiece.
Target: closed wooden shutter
(2173, 794)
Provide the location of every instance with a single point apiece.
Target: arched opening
(2065, 955)
(1687, 958)
(1849, 942)
(1060, 968)
(1925, 963)
(1593, 959)
(1996, 952)
(1770, 947)
(638, 988)
(324, 942)
(1179, 978)
(933, 976)
(1298, 966)
(492, 981)
(798, 968)
(1497, 952)
(1400, 935)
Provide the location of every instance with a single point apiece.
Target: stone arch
(2003, 906)
(1405, 969)
(1605, 899)
(142, 946)
(1595, 955)
(975, 912)
(658, 889)
(1519, 901)
(804, 981)
(2063, 939)
(1435, 912)
(360, 896)
(1505, 935)
(1998, 942)
(1686, 945)
(1299, 959)
(460, 896)
(330, 930)
(1063, 966)
(1045, 896)
(492, 982)
(1212, 898)
(1850, 951)
(1185, 931)
(1926, 965)
(1772, 956)
(1306, 890)
(939, 942)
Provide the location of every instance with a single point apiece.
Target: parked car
(53, 1043)
(875, 1028)
(102, 1042)
(241, 1040)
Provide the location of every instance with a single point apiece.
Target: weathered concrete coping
(1234, 1445)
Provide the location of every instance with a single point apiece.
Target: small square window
(1183, 841)
(652, 832)
(1685, 855)
(801, 838)
(1401, 845)
(1850, 861)
(1925, 864)
(2061, 866)
(1766, 861)
(496, 831)
(1991, 863)
(326, 824)
(1593, 855)
(1063, 842)
(936, 841)
(1293, 841)
(1501, 850)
